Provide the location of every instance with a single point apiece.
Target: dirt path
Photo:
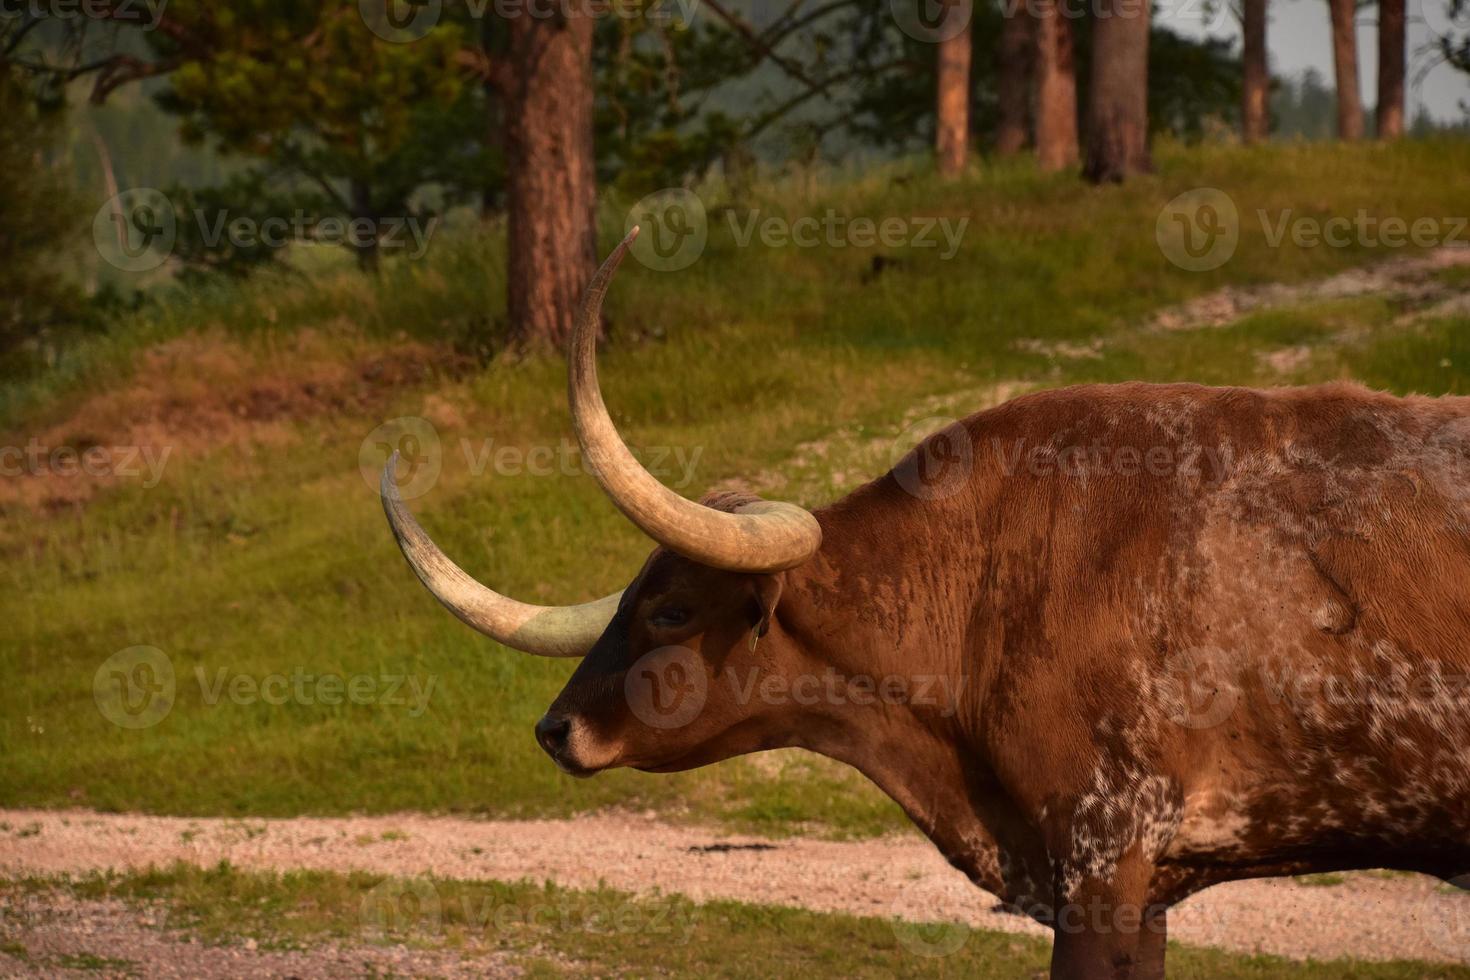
(1367, 916)
(1409, 280)
(80, 938)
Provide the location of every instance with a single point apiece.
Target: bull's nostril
(551, 732)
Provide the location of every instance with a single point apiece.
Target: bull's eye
(668, 616)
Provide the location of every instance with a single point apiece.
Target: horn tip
(388, 484)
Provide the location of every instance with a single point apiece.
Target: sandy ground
(1367, 916)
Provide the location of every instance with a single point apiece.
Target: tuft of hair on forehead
(728, 501)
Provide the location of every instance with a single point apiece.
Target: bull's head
(692, 615)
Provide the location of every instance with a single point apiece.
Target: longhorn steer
(1062, 576)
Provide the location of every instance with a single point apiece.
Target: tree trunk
(1056, 89)
(1117, 103)
(1391, 69)
(363, 238)
(1255, 122)
(952, 106)
(494, 131)
(551, 190)
(1013, 77)
(1345, 60)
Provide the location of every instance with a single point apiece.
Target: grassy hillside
(261, 551)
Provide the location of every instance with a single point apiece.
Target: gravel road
(1365, 916)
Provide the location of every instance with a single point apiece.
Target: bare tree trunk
(1255, 122)
(952, 105)
(1345, 60)
(1117, 98)
(1056, 90)
(1390, 69)
(364, 240)
(551, 190)
(494, 130)
(1013, 77)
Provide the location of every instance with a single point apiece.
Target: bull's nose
(551, 732)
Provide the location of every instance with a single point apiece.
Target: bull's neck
(894, 586)
(888, 596)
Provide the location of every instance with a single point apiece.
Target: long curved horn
(761, 537)
(547, 631)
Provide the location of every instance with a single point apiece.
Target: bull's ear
(763, 603)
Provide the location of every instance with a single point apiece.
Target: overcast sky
(1299, 38)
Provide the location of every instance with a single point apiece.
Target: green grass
(1321, 880)
(555, 931)
(267, 554)
(93, 963)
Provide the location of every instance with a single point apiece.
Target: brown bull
(1106, 646)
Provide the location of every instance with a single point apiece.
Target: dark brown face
(662, 689)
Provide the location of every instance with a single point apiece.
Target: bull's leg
(1102, 932)
(1151, 945)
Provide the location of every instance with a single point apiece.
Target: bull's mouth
(569, 764)
(575, 770)
(683, 764)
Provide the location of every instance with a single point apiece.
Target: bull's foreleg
(1105, 930)
(1151, 947)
